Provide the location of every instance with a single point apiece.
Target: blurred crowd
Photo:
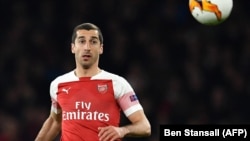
(183, 72)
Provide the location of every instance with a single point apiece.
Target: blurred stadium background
(182, 71)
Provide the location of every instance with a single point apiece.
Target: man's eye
(81, 41)
(94, 41)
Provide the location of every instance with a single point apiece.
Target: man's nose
(87, 46)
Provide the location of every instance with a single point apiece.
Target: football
(210, 12)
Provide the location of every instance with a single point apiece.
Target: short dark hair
(87, 26)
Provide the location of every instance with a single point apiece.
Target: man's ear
(73, 48)
(101, 49)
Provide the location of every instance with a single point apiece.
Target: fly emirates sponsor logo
(83, 112)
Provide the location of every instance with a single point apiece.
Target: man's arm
(50, 128)
(139, 127)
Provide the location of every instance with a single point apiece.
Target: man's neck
(81, 72)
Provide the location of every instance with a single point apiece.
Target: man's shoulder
(109, 75)
(69, 76)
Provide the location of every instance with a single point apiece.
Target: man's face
(87, 48)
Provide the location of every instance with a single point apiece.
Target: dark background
(183, 72)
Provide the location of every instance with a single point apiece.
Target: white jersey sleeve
(126, 96)
(55, 107)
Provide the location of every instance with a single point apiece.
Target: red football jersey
(90, 102)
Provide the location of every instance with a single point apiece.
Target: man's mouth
(86, 57)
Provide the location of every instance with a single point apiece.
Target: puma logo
(66, 90)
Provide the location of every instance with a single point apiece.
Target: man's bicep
(56, 117)
(56, 122)
(51, 127)
(137, 116)
(140, 125)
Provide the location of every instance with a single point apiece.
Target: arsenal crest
(102, 88)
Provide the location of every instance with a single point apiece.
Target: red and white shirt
(90, 102)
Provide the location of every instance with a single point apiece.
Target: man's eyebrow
(92, 37)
